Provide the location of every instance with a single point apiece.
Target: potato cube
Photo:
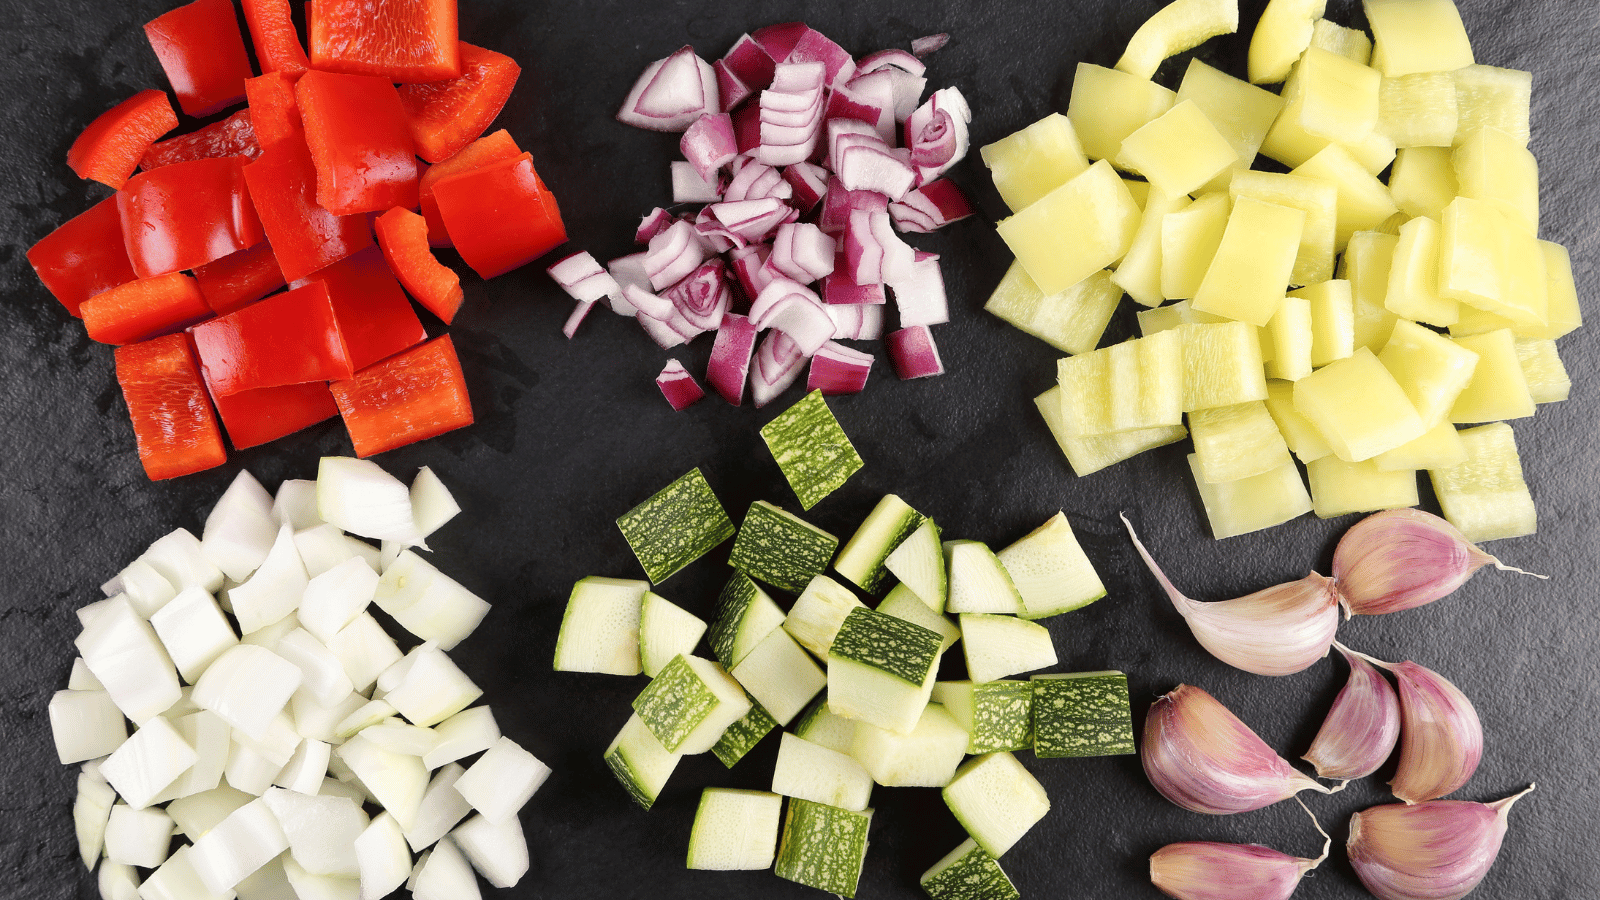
(1499, 388)
(1364, 201)
(1486, 497)
(1423, 181)
(1358, 407)
(1072, 320)
(1418, 110)
(1189, 241)
(1320, 202)
(1178, 151)
(1432, 369)
(1251, 504)
(1250, 273)
(1417, 36)
(1290, 330)
(1333, 321)
(1339, 488)
(1488, 97)
(1562, 314)
(1108, 105)
(1439, 447)
(1234, 442)
(1074, 231)
(1495, 167)
(1140, 191)
(1036, 160)
(1414, 277)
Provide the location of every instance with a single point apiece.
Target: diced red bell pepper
(203, 54)
(239, 279)
(304, 236)
(407, 398)
(144, 308)
(84, 256)
(172, 420)
(490, 148)
(277, 43)
(273, 111)
(356, 129)
(110, 148)
(256, 417)
(403, 235)
(446, 116)
(288, 338)
(500, 216)
(233, 136)
(408, 41)
(373, 314)
(186, 215)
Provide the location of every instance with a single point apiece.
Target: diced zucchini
(1251, 270)
(1488, 97)
(997, 715)
(665, 630)
(1075, 230)
(1072, 321)
(1242, 112)
(813, 452)
(919, 564)
(1221, 365)
(1091, 453)
(1189, 241)
(780, 676)
(815, 618)
(881, 669)
(901, 603)
(1485, 497)
(1547, 377)
(815, 773)
(1134, 384)
(677, 526)
(996, 800)
(639, 762)
(968, 873)
(1383, 420)
(1051, 571)
(1108, 105)
(1139, 273)
(1032, 162)
(1439, 447)
(1417, 36)
(1180, 25)
(1350, 43)
(600, 628)
(1178, 151)
(823, 726)
(1432, 369)
(823, 846)
(926, 756)
(1313, 261)
(1418, 110)
(979, 583)
(889, 523)
(780, 548)
(1234, 442)
(1339, 488)
(1302, 437)
(1414, 277)
(1290, 330)
(1423, 181)
(1251, 504)
(745, 615)
(1281, 35)
(743, 735)
(734, 830)
(1364, 201)
(998, 646)
(1082, 714)
(1499, 388)
(690, 704)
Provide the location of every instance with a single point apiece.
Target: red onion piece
(937, 133)
(747, 127)
(648, 304)
(627, 270)
(749, 267)
(923, 46)
(656, 222)
(689, 187)
(838, 204)
(842, 129)
(709, 144)
(868, 98)
(777, 364)
(921, 298)
(755, 181)
(907, 92)
(814, 46)
(749, 62)
(779, 40)
(839, 289)
(864, 163)
(748, 221)
(800, 251)
(670, 330)
(837, 369)
(857, 322)
(672, 93)
(930, 207)
(579, 313)
(863, 254)
(794, 310)
(581, 276)
(808, 183)
(732, 91)
(791, 114)
(673, 254)
(898, 256)
(730, 357)
(703, 297)
(900, 59)
(678, 386)
(914, 354)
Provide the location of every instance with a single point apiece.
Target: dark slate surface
(571, 434)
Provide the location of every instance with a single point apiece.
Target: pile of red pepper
(316, 187)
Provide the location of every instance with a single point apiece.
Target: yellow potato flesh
(1178, 151)
(1250, 272)
(1417, 36)
(1486, 497)
(1284, 31)
(1291, 334)
(1251, 504)
(1439, 448)
(1221, 364)
(1423, 181)
(1035, 161)
(1072, 320)
(1418, 110)
(1108, 105)
(1313, 262)
(1432, 369)
(1499, 388)
(1495, 167)
(1074, 231)
(1364, 201)
(1189, 241)
(1383, 419)
(1414, 277)
(1140, 191)
(1339, 488)
(1333, 321)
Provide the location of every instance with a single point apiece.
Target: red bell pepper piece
(186, 215)
(203, 54)
(404, 399)
(273, 111)
(256, 417)
(288, 338)
(373, 315)
(356, 129)
(110, 148)
(140, 309)
(239, 279)
(490, 148)
(408, 41)
(304, 236)
(277, 43)
(500, 216)
(403, 235)
(172, 420)
(233, 136)
(448, 115)
(84, 256)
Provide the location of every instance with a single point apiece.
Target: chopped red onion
(838, 204)
(579, 313)
(791, 114)
(750, 63)
(709, 144)
(678, 386)
(673, 254)
(930, 207)
(867, 98)
(730, 357)
(749, 267)
(863, 254)
(800, 251)
(858, 322)
(921, 298)
(780, 39)
(627, 270)
(754, 181)
(581, 276)
(898, 256)
(923, 46)
(862, 162)
(814, 46)
(900, 59)
(748, 221)
(648, 304)
(703, 297)
(838, 288)
(794, 310)
(937, 133)
(652, 225)
(732, 90)
(808, 183)
(689, 187)
(672, 93)
(837, 369)
(914, 354)
(777, 364)
(747, 127)
(907, 92)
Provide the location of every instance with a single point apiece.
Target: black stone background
(571, 434)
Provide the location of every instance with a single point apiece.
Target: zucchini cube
(816, 773)
(926, 756)
(823, 726)
(780, 676)
(1072, 321)
(997, 646)
(1339, 488)
(968, 873)
(901, 603)
(1091, 453)
(665, 630)
(1032, 162)
(743, 735)
(745, 615)
(1082, 714)
(818, 612)
(813, 452)
(996, 800)
(690, 704)
(997, 715)
(1251, 504)
(1075, 230)
(639, 762)
(734, 830)
(1486, 497)
(1050, 570)
(780, 548)
(919, 564)
(861, 559)
(823, 846)
(677, 526)
(881, 670)
(600, 628)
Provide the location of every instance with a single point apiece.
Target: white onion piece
(442, 807)
(138, 837)
(179, 559)
(930, 207)
(81, 678)
(316, 722)
(181, 707)
(432, 504)
(276, 744)
(921, 298)
(321, 831)
(197, 814)
(900, 59)
(433, 689)
(907, 92)
(113, 587)
(123, 652)
(90, 812)
(678, 386)
(368, 715)
(672, 93)
(311, 886)
(303, 773)
(240, 844)
(365, 650)
(444, 874)
(730, 358)
(673, 254)
(322, 547)
(502, 780)
(295, 504)
(396, 780)
(689, 187)
(581, 276)
(777, 364)
(146, 589)
(147, 762)
(859, 322)
(358, 496)
(247, 686)
(121, 882)
(86, 725)
(498, 851)
(177, 879)
(802, 253)
(709, 144)
(333, 599)
(240, 529)
(212, 741)
(249, 771)
(463, 734)
(395, 735)
(382, 857)
(837, 369)
(428, 603)
(914, 353)
(194, 632)
(275, 589)
(321, 673)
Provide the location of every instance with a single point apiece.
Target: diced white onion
(463, 734)
(316, 722)
(321, 672)
(502, 780)
(194, 632)
(432, 504)
(334, 598)
(146, 589)
(445, 875)
(442, 807)
(433, 689)
(274, 590)
(122, 650)
(382, 857)
(178, 880)
(358, 496)
(138, 837)
(247, 686)
(212, 741)
(86, 725)
(119, 881)
(311, 886)
(498, 851)
(147, 762)
(321, 831)
(428, 603)
(396, 780)
(304, 771)
(240, 528)
(90, 811)
(240, 844)
(365, 650)
(179, 559)
(199, 813)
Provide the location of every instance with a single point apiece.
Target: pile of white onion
(790, 154)
(311, 757)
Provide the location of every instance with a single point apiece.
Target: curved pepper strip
(446, 116)
(406, 41)
(203, 54)
(84, 256)
(356, 130)
(288, 338)
(233, 136)
(239, 279)
(252, 418)
(304, 236)
(500, 216)
(273, 111)
(403, 235)
(373, 314)
(404, 399)
(277, 43)
(172, 420)
(492, 147)
(186, 215)
(110, 148)
(132, 312)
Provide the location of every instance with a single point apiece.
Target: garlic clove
(1200, 756)
(1207, 870)
(1278, 631)
(1441, 739)
(1362, 726)
(1404, 558)
(1437, 850)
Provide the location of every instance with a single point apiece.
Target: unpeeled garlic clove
(1437, 850)
(1362, 726)
(1441, 739)
(1278, 631)
(1403, 558)
(1206, 870)
(1200, 756)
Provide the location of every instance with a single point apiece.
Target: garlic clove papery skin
(1404, 558)
(1441, 738)
(1439, 850)
(1278, 631)
(1362, 726)
(1205, 870)
(1200, 756)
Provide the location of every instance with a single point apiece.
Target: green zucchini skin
(679, 524)
(813, 452)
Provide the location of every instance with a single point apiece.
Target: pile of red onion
(798, 190)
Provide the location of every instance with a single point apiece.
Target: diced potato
(1189, 241)
(1250, 272)
(1221, 365)
(1493, 166)
(1108, 105)
(1178, 151)
(1366, 265)
(1035, 161)
(1485, 497)
(1139, 273)
(1072, 320)
(1498, 389)
(1414, 277)
(1134, 384)
(1251, 504)
(1319, 200)
(1234, 442)
(1291, 334)
(1180, 25)
(1242, 112)
(1439, 447)
(1339, 488)
(1358, 407)
(1350, 43)
(1332, 97)
(1090, 454)
(1488, 97)
(1284, 32)
(1418, 110)
(1166, 318)
(1423, 181)
(1547, 377)
(1432, 369)
(1333, 321)
(1303, 438)
(1074, 231)
(1417, 36)
(1364, 201)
